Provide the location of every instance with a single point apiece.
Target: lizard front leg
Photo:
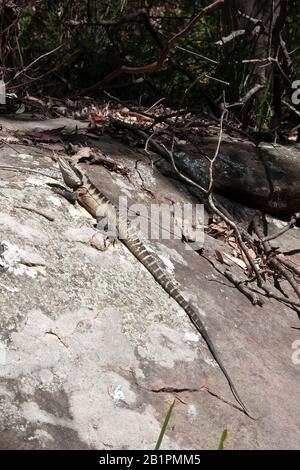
(106, 225)
(62, 191)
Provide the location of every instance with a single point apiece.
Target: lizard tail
(151, 263)
(194, 317)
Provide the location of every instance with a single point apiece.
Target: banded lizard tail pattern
(89, 196)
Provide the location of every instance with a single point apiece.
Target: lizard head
(72, 177)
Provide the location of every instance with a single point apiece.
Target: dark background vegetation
(96, 38)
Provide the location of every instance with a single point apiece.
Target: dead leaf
(97, 118)
(219, 256)
(252, 253)
(237, 261)
(84, 152)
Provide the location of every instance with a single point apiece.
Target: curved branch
(158, 64)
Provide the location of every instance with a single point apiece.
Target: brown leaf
(237, 261)
(97, 117)
(84, 152)
(219, 256)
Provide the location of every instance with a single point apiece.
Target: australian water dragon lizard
(95, 202)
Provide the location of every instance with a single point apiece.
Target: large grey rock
(264, 177)
(93, 351)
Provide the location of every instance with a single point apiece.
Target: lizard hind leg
(101, 242)
(109, 236)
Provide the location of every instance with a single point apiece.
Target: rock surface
(93, 351)
(264, 177)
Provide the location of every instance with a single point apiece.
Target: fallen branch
(273, 261)
(293, 267)
(240, 285)
(289, 226)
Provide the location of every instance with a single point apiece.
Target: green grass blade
(223, 439)
(164, 426)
